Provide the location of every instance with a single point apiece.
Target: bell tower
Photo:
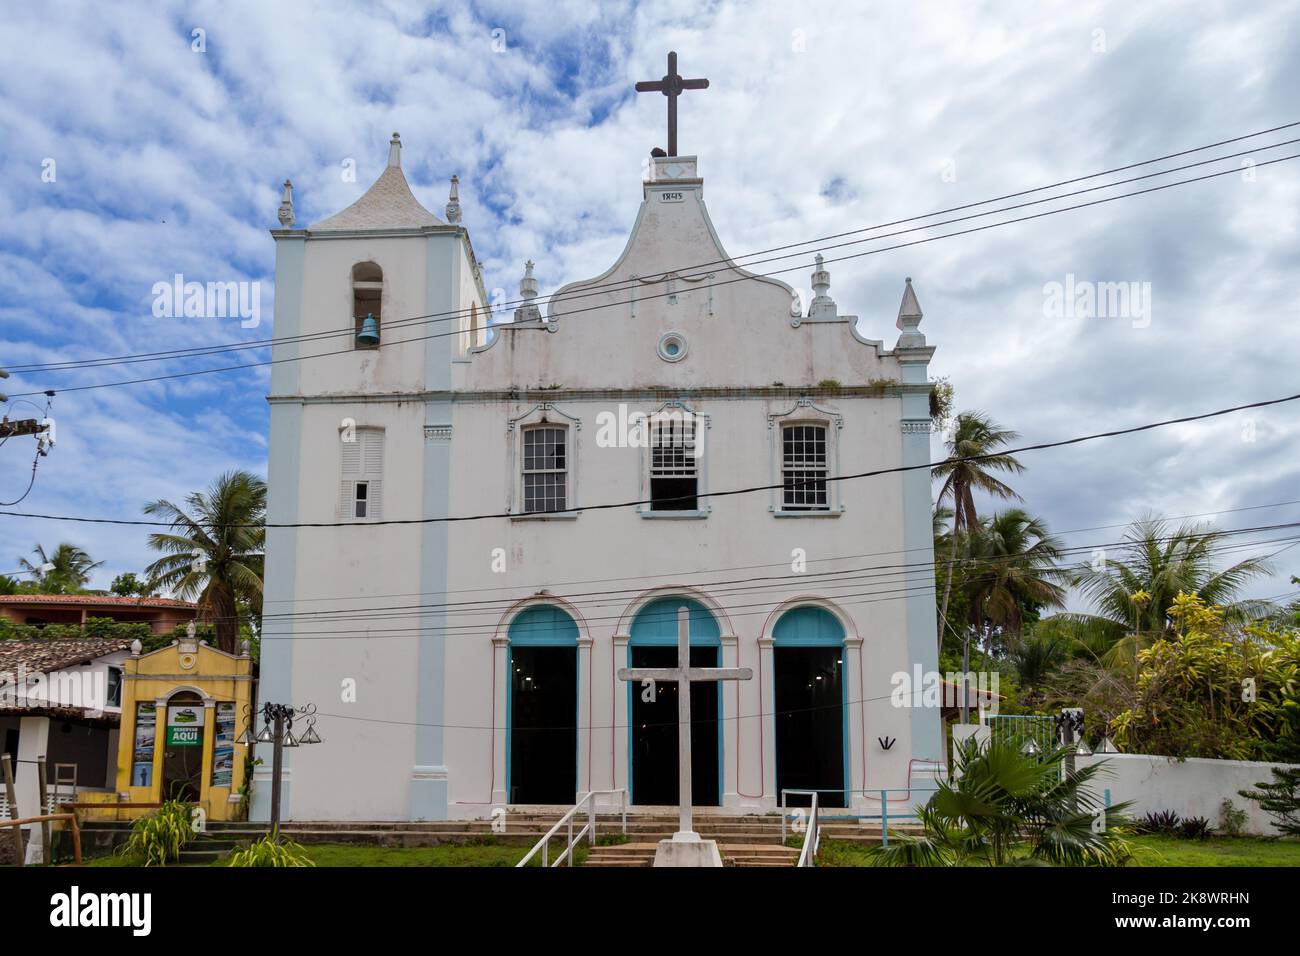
(373, 306)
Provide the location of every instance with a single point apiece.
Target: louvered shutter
(372, 468)
(362, 461)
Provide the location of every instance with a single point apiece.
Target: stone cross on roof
(686, 843)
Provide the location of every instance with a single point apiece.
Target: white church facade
(590, 453)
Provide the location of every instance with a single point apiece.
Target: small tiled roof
(51, 655)
(95, 600)
(388, 204)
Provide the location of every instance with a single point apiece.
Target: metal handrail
(882, 795)
(812, 839)
(588, 830)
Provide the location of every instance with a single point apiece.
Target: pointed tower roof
(388, 204)
(909, 308)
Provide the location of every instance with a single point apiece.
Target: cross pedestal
(685, 848)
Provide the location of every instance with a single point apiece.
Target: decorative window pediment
(543, 458)
(804, 455)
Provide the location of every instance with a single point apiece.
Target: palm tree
(974, 435)
(1005, 807)
(65, 571)
(214, 552)
(1133, 589)
(1015, 566)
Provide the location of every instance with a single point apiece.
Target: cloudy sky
(130, 156)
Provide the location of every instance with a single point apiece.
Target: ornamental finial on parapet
(528, 312)
(909, 319)
(286, 206)
(822, 305)
(453, 201)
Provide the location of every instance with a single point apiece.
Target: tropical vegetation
(157, 839)
(213, 552)
(1166, 646)
(1004, 806)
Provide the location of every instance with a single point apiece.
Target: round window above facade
(672, 347)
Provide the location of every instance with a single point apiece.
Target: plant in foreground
(1009, 807)
(269, 852)
(1280, 798)
(157, 839)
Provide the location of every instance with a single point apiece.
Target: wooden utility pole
(13, 807)
(24, 426)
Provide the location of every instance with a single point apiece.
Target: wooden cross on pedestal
(684, 674)
(671, 85)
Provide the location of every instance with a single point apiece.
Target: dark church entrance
(544, 724)
(810, 723)
(654, 733)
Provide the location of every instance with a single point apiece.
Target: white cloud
(820, 119)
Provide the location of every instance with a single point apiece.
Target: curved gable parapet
(672, 240)
(674, 310)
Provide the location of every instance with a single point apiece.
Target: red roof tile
(96, 600)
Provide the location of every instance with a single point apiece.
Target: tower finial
(286, 205)
(822, 305)
(395, 151)
(528, 312)
(453, 201)
(909, 319)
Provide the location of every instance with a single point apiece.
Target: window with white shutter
(361, 489)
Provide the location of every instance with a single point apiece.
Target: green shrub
(1164, 821)
(157, 839)
(1232, 819)
(269, 852)
(1280, 798)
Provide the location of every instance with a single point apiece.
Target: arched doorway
(652, 730)
(811, 742)
(183, 747)
(542, 707)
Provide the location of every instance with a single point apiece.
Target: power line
(773, 564)
(874, 473)
(593, 289)
(715, 284)
(843, 578)
(724, 586)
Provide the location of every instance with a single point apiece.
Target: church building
(474, 525)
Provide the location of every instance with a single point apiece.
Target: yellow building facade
(184, 709)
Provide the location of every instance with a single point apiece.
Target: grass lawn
(1216, 851)
(1150, 851)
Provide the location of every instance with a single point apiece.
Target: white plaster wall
(740, 532)
(363, 771)
(327, 307)
(745, 340)
(1195, 787)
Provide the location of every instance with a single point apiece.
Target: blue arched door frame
(655, 625)
(809, 625)
(540, 625)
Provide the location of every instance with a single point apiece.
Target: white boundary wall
(1195, 787)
